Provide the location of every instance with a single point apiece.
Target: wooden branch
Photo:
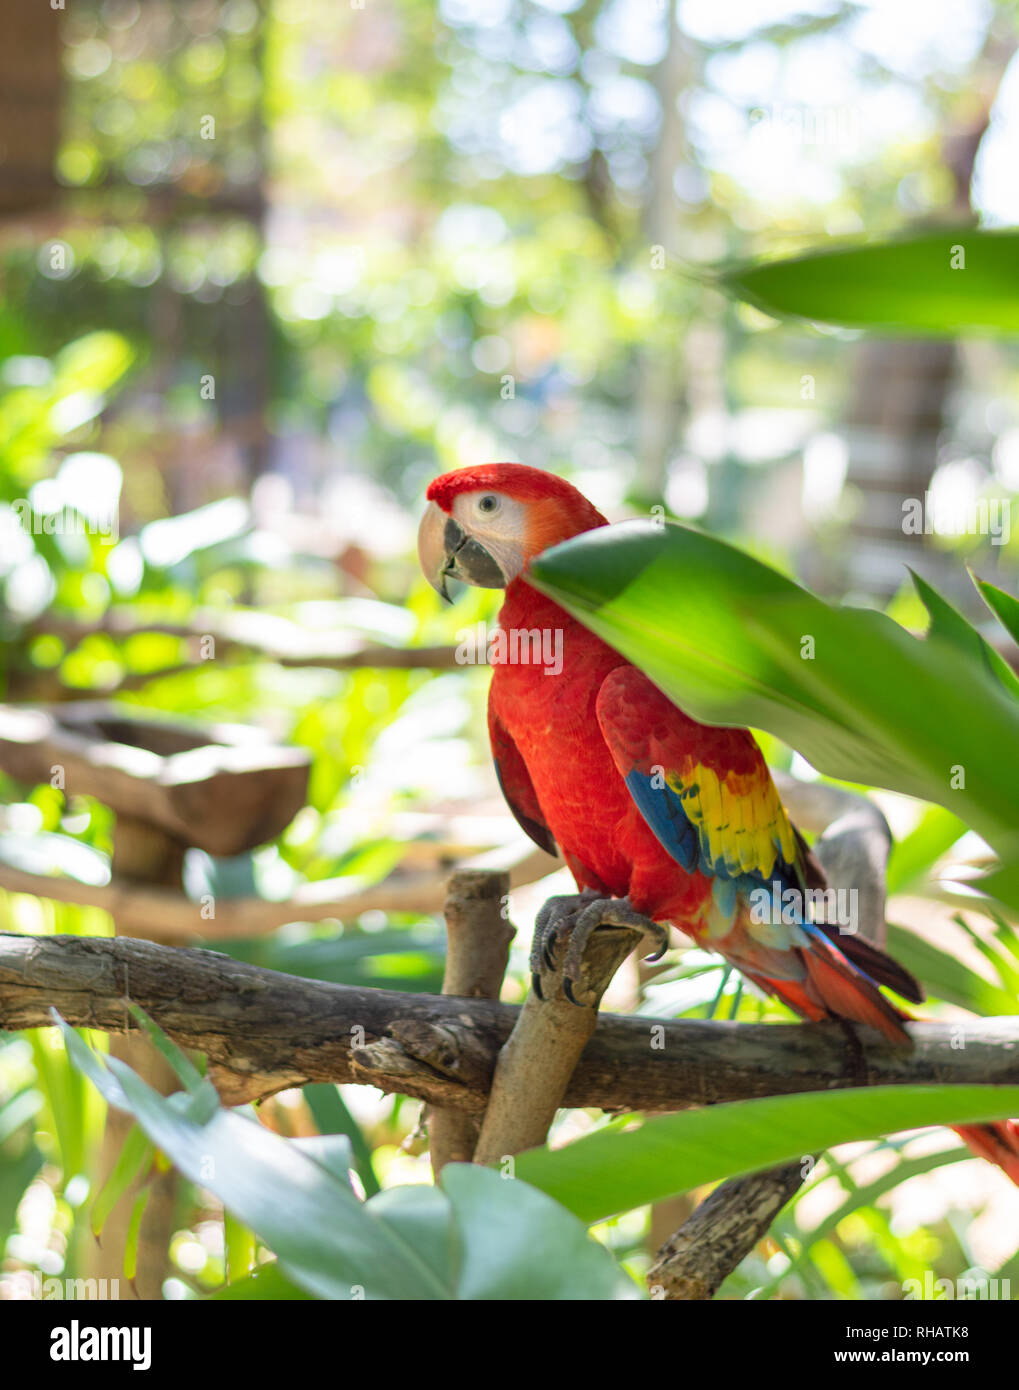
(535, 1065)
(157, 914)
(263, 1031)
(478, 938)
(265, 635)
(694, 1263)
(219, 789)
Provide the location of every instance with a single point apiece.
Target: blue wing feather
(662, 808)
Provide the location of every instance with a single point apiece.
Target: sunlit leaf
(938, 282)
(608, 1171)
(476, 1238)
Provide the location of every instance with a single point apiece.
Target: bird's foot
(567, 923)
(555, 920)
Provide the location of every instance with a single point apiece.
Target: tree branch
(533, 1071)
(161, 914)
(695, 1261)
(265, 635)
(264, 1031)
(478, 938)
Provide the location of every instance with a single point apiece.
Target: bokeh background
(269, 267)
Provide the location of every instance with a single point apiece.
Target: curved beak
(447, 551)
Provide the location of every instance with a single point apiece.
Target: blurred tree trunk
(660, 389)
(897, 412)
(246, 326)
(31, 104)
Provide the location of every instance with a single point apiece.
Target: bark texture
(263, 1031)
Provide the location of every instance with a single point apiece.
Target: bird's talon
(569, 921)
(568, 990)
(661, 937)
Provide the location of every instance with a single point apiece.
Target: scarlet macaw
(662, 820)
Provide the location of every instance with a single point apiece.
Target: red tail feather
(998, 1143)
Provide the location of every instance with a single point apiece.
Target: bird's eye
(488, 504)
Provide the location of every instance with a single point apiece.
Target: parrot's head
(484, 525)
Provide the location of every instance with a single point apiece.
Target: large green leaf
(735, 642)
(268, 1284)
(936, 283)
(482, 1236)
(518, 1243)
(615, 1170)
(330, 1113)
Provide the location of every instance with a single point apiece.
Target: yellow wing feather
(740, 819)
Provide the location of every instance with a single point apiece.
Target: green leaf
(268, 1284)
(913, 284)
(240, 1248)
(736, 643)
(914, 856)
(324, 1238)
(1005, 934)
(136, 1154)
(856, 1198)
(59, 1082)
(16, 1174)
(476, 1238)
(17, 1111)
(947, 977)
(1004, 607)
(519, 1244)
(949, 624)
(322, 1234)
(184, 1069)
(332, 1116)
(613, 1171)
(333, 1151)
(134, 1227)
(998, 960)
